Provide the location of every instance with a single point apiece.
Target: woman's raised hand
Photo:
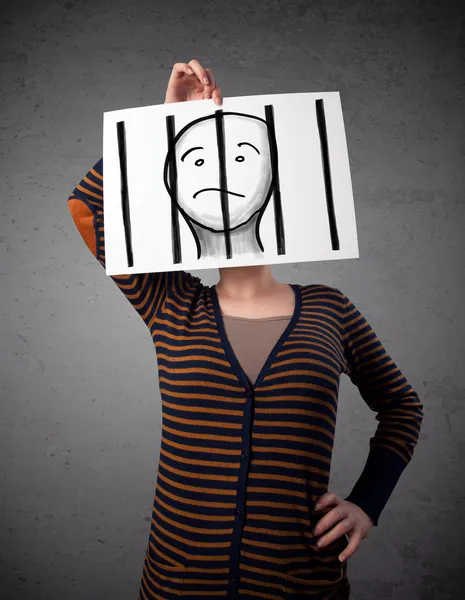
(190, 81)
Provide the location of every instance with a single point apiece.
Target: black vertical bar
(277, 203)
(321, 120)
(121, 133)
(173, 177)
(219, 119)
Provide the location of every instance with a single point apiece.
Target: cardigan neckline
(232, 358)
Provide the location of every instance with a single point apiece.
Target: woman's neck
(253, 292)
(246, 283)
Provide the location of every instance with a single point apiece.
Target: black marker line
(249, 144)
(321, 120)
(189, 151)
(278, 207)
(173, 174)
(121, 133)
(219, 120)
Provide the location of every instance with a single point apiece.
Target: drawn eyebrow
(190, 150)
(248, 144)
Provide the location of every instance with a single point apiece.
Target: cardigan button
(238, 514)
(244, 454)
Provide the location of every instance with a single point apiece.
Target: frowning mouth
(217, 190)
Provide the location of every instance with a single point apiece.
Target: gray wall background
(80, 430)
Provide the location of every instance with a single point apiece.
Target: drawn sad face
(248, 173)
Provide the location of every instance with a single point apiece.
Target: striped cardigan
(242, 466)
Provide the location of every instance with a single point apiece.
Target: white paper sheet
(284, 200)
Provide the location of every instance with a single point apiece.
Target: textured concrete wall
(80, 430)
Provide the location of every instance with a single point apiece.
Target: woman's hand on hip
(190, 81)
(345, 517)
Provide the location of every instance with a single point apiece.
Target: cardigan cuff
(375, 485)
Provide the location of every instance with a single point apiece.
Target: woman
(249, 373)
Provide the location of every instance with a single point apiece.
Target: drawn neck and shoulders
(242, 240)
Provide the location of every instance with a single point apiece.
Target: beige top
(252, 340)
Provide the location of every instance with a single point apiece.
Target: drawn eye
(240, 159)
(199, 162)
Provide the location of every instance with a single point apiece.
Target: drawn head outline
(219, 176)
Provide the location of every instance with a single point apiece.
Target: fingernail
(317, 506)
(205, 80)
(190, 71)
(217, 101)
(342, 558)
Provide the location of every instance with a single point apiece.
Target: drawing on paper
(264, 180)
(221, 172)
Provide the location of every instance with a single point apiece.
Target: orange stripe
(187, 310)
(191, 347)
(308, 373)
(94, 172)
(86, 191)
(172, 325)
(325, 321)
(293, 361)
(298, 424)
(182, 370)
(95, 185)
(195, 357)
(317, 443)
(299, 346)
(158, 298)
(208, 423)
(300, 386)
(188, 338)
(194, 396)
(200, 384)
(377, 443)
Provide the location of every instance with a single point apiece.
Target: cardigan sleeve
(398, 408)
(146, 292)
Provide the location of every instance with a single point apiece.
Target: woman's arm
(399, 411)
(146, 292)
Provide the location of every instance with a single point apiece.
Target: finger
(216, 92)
(327, 499)
(331, 518)
(208, 91)
(208, 88)
(211, 77)
(335, 533)
(217, 96)
(181, 69)
(352, 546)
(199, 71)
